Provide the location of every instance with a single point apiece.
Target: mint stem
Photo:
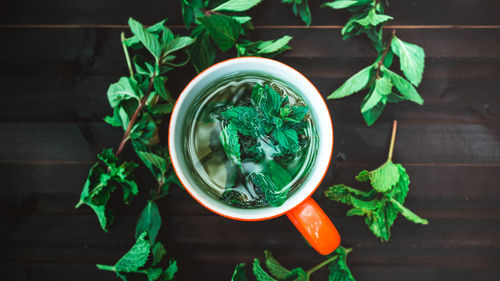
(382, 58)
(127, 57)
(134, 117)
(79, 204)
(314, 269)
(106, 267)
(393, 139)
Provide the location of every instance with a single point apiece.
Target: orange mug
(300, 208)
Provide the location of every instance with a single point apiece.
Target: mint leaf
(126, 88)
(404, 87)
(274, 267)
(412, 59)
(240, 273)
(384, 177)
(341, 4)
(244, 119)
(273, 101)
(286, 138)
(298, 113)
(268, 49)
(339, 271)
(190, 10)
(374, 113)
(149, 221)
(101, 182)
(297, 274)
(229, 139)
(177, 44)
(149, 41)
(260, 273)
(224, 30)
(168, 274)
(411, 216)
(136, 257)
(382, 89)
(345, 194)
(354, 84)
(202, 51)
(158, 253)
(153, 273)
(236, 5)
(373, 19)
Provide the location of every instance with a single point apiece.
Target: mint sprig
(338, 269)
(225, 26)
(384, 86)
(382, 204)
(134, 261)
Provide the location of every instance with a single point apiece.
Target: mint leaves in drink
(382, 204)
(267, 132)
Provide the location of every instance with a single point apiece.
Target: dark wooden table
(57, 59)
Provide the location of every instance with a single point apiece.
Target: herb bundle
(140, 103)
(225, 25)
(382, 204)
(339, 271)
(383, 85)
(269, 130)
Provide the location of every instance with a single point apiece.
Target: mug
(300, 208)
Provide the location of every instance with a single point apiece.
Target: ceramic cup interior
(265, 67)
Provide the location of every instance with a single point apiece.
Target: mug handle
(315, 226)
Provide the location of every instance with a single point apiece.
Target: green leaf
(149, 221)
(342, 4)
(273, 101)
(136, 257)
(223, 29)
(373, 19)
(382, 89)
(260, 273)
(169, 273)
(236, 5)
(411, 216)
(153, 273)
(345, 194)
(384, 177)
(240, 273)
(354, 84)
(276, 269)
(191, 9)
(244, 119)
(126, 88)
(241, 19)
(273, 46)
(202, 52)
(149, 41)
(158, 253)
(228, 137)
(273, 183)
(339, 271)
(297, 274)
(374, 113)
(177, 44)
(298, 113)
(304, 11)
(412, 59)
(287, 138)
(404, 87)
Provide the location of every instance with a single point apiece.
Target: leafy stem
(393, 138)
(127, 56)
(322, 264)
(143, 101)
(382, 58)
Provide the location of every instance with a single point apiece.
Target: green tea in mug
(250, 141)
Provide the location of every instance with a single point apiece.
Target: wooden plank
(58, 238)
(189, 270)
(414, 12)
(436, 192)
(448, 142)
(84, 49)
(466, 100)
